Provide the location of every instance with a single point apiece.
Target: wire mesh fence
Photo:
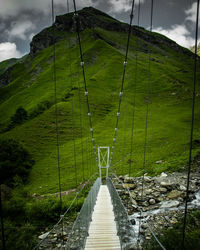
(124, 227)
(79, 232)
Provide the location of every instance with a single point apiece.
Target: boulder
(43, 236)
(160, 199)
(156, 194)
(129, 185)
(173, 221)
(169, 204)
(174, 194)
(133, 222)
(134, 202)
(128, 180)
(159, 162)
(167, 185)
(118, 186)
(163, 190)
(147, 191)
(152, 201)
(147, 179)
(163, 175)
(182, 188)
(144, 226)
(133, 195)
(145, 204)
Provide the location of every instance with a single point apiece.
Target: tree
(19, 117)
(15, 162)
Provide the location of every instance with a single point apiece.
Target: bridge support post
(103, 158)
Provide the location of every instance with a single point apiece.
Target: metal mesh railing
(141, 216)
(125, 229)
(57, 237)
(79, 233)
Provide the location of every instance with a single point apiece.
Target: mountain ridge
(90, 17)
(32, 87)
(158, 71)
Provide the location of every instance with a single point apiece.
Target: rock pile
(57, 237)
(162, 199)
(164, 191)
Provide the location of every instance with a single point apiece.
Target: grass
(171, 78)
(26, 217)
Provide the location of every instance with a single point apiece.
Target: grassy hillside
(192, 48)
(171, 81)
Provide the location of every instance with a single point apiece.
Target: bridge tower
(103, 157)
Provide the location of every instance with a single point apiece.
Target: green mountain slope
(192, 48)
(104, 43)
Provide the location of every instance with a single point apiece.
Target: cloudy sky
(20, 20)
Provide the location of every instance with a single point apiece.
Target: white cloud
(122, 5)
(191, 13)
(178, 33)
(82, 4)
(118, 6)
(20, 29)
(10, 8)
(8, 50)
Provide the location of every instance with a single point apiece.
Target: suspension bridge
(103, 221)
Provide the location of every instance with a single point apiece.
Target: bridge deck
(102, 230)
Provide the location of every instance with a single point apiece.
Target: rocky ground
(162, 202)
(57, 237)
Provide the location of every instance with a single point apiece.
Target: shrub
(41, 107)
(15, 162)
(19, 117)
(19, 236)
(172, 238)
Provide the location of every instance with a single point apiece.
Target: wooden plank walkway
(102, 230)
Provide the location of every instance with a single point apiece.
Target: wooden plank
(102, 230)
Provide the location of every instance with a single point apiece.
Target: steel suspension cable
(72, 104)
(147, 112)
(81, 122)
(132, 201)
(81, 132)
(55, 100)
(192, 125)
(134, 95)
(87, 153)
(66, 212)
(120, 136)
(84, 77)
(125, 128)
(123, 80)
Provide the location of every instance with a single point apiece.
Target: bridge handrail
(62, 216)
(141, 211)
(124, 227)
(79, 232)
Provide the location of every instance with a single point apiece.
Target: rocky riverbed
(162, 201)
(162, 204)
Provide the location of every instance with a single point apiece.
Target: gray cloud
(191, 13)
(21, 19)
(20, 29)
